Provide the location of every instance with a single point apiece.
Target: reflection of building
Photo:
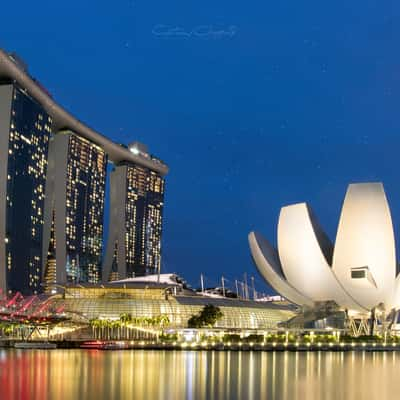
(136, 205)
(24, 135)
(358, 274)
(75, 206)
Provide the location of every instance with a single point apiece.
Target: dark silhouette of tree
(207, 317)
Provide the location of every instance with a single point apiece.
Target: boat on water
(103, 345)
(35, 345)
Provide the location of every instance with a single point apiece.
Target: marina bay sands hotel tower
(53, 192)
(136, 219)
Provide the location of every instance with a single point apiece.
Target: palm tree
(109, 328)
(164, 320)
(94, 323)
(99, 328)
(125, 319)
(103, 327)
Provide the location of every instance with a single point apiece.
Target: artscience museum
(357, 274)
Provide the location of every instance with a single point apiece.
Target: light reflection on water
(79, 374)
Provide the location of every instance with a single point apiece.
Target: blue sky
(253, 105)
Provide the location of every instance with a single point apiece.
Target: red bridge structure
(30, 310)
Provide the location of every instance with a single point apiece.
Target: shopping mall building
(168, 297)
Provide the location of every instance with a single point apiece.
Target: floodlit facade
(136, 211)
(74, 208)
(25, 129)
(35, 131)
(358, 273)
(109, 301)
(12, 69)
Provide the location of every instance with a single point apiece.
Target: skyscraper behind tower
(24, 136)
(75, 207)
(136, 207)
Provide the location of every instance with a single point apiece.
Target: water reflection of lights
(75, 374)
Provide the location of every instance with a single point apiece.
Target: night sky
(253, 105)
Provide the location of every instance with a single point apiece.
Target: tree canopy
(207, 317)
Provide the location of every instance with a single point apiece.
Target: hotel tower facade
(74, 208)
(52, 193)
(25, 130)
(136, 211)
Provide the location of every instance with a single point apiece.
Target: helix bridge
(30, 310)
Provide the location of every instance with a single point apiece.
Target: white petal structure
(267, 262)
(358, 274)
(306, 256)
(364, 259)
(396, 300)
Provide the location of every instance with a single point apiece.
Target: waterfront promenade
(213, 346)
